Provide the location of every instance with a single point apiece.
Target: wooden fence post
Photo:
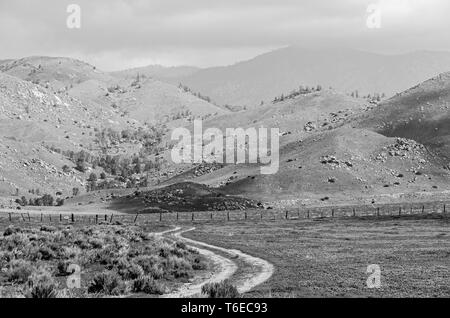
(332, 213)
(354, 212)
(245, 215)
(73, 218)
(29, 217)
(135, 219)
(96, 218)
(177, 216)
(261, 216)
(60, 218)
(378, 211)
(192, 217)
(287, 214)
(423, 209)
(211, 216)
(10, 217)
(23, 218)
(42, 216)
(160, 216)
(228, 216)
(444, 208)
(307, 214)
(110, 220)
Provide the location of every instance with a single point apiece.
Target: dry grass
(329, 258)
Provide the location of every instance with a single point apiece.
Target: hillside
(146, 100)
(57, 73)
(62, 118)
(54, 111)
(262, 78)
(326, 159)
(421, 113)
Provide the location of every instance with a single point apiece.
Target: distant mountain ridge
(247, 83)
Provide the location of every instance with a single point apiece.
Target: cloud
(120, 33)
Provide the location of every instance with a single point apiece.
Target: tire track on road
(225, 267)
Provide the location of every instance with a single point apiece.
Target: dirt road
(256, 271)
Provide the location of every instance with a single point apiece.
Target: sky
(119, 34)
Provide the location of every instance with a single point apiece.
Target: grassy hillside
(421, 113)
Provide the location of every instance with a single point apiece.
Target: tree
(102, 175)
(92, 177)
(66, 169)
(81, 165)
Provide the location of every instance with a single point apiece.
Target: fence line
(240, 215)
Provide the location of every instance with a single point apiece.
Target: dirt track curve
(257, 270)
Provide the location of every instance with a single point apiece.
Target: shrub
(223, 289)
(10, 230)
(199, 264)
(177, 267)
(48, 228)
(42, 285)
(129, 270)
(148, 285)
(96, 243)
(107, 283)
(104, 256)
(61, 268)
(19, 271)
(46, 253)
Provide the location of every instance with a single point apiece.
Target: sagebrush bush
(61, 267)
(19, 271)
(96, 243)
(48, 228)
(148, 285)
(199, 264)
(128, 270)
(10, 230)
(42, 285)
(223, 289)
(108, 283)
(117, 253)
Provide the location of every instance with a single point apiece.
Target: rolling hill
(344, 155)
(146, 100)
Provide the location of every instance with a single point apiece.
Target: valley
(78, 144)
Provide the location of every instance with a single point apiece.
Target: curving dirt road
(224, 267)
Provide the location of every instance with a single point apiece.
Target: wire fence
(228, 216)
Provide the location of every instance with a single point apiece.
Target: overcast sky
(117, 34)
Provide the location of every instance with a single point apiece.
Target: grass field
(329, 257)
